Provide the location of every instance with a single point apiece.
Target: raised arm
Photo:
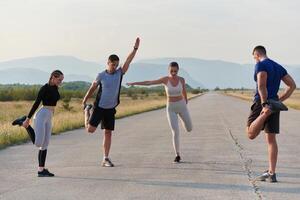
(291, 86)
(90, 92)
(153, 82)
(131, 56)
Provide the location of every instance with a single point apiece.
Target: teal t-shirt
(110, 88)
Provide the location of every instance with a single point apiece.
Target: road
(219, 162)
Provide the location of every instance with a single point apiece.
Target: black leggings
(42, 157)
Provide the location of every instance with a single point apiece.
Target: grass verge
(66, 120)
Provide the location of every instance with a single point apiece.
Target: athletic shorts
(104, 116)
(272, 123)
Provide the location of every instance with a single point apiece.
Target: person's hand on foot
(26, 123)
(266, 110)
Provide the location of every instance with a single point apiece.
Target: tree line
(77, 89)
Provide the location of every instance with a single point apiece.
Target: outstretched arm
(131, 56)
(291, 86)
(154, 82)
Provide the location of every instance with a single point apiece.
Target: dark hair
(260, 49)
(174, 64)
(113, 58)
(56, 74)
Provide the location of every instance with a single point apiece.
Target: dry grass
(65, 120)
(292, 102)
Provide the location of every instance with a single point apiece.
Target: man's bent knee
(250, 134)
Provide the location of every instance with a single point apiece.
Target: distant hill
(213, 73)
(197, 72)
(222, 74)
(144, 71)
(295, 72)
(34, 76)
(68, 64)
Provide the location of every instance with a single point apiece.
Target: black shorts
(105, 116)
(271, 124)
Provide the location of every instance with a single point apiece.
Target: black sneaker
(177, 159)
(276, 106)
(266, 176)
(107, 163)
(29, 129)
(19, 121)
(45, 173)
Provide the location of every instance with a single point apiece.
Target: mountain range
(197, 72)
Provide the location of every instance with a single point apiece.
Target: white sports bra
(173, 91)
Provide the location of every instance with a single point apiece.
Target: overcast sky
(93, 29)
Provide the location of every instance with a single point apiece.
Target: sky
(208, 29)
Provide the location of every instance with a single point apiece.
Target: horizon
(140, 59)
(197, 72)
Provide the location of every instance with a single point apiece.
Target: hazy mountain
(34, 76)
(197, 72)
(144, 71)
(68, 64)
(295, 72)
(213, 73)
(216, 73)
(23, 75)
(37, 70)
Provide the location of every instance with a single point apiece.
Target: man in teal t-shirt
(108, 98)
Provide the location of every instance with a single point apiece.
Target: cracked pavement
(219, 162)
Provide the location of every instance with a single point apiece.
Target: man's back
(275, 73)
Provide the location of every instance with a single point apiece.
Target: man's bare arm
(262, 86)
(130, 57)
(90, 92)
(291, 86)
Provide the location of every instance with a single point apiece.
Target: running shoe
(177, 159)
(29, 129)
(45, 173)
(19, 121)
(107, 163)
(266, 176)
(276, 106)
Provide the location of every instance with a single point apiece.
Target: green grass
(292, 102)
(66, 120)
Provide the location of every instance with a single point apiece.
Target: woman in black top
(41, 133)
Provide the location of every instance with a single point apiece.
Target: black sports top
(48, 94)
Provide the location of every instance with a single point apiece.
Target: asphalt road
(219, 161)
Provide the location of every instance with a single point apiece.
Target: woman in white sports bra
(176, 104)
